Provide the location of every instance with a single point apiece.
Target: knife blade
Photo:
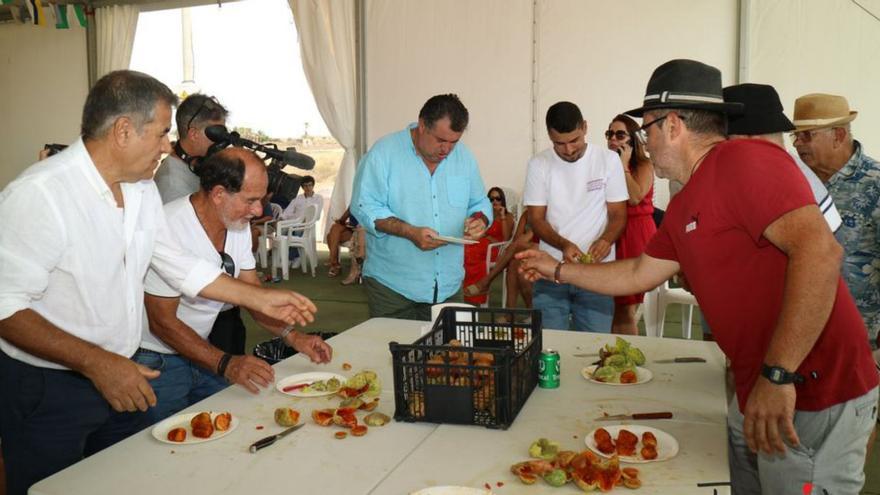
(681, 360)
(651, 415)
(265, 442)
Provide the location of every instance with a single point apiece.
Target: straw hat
(819, 110)
(685, 84)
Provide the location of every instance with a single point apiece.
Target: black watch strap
(780, 376)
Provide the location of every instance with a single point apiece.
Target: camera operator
(175, 177)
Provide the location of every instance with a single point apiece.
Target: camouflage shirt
(856, 191)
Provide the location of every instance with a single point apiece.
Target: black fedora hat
(762, 112)
(685, 84)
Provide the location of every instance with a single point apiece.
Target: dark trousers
(228, 333)
(385, 302)
(50, 419)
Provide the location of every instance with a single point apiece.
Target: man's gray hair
(196, 111)
(123, 93)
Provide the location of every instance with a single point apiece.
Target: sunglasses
(210, 103)
(620, 135)
(227, 263)
(495, 198)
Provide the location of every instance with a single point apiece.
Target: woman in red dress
(475, 254)
(623, 137)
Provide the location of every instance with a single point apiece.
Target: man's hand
(475, 228)
(425, 238)
(312, 346)
(571, 253)
(600, 249)
(288, 306)
(535, 265)
(122, 382)
(769, 416)
(249, 372)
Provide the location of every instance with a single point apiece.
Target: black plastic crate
(441, 383)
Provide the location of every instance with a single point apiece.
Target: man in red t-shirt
(765, 267)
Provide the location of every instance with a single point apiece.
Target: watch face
(776, 375)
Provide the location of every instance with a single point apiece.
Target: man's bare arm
(538, 219)
(810, 286)
(164, 323)
(807, 300)
(423, 237)
(122, 382)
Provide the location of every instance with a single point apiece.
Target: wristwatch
(780, 376)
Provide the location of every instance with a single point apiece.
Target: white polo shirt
(70, 254)
(576, 194)
(197, 312)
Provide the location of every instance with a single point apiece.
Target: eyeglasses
(620, 135)
(644, 127)
(227, 263)
(804, 136)
(210, 103)
(495, 198)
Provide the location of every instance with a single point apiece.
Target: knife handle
(655, 415)
(264, 442)
(689, 360)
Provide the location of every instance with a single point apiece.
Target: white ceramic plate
(643, 375)
(455, 240)
(667, 445)
(307, 378)
(452, 490)
(160, 431)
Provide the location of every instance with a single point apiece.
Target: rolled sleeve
(369, 200)
(32, 243)
(182, 271)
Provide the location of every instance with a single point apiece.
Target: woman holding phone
(622, 137)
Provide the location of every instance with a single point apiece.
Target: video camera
(284, 186)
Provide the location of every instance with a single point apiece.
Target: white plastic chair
(265, 229)
(655, 304)
(306, 244)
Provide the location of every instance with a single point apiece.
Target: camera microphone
(219, 134)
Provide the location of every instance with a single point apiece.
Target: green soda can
(548, 369)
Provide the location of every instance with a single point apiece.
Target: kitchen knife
(651, 415)
(681, 360)
(265, 442)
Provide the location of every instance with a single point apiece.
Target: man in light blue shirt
(411, 188)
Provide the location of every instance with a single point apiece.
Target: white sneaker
(296, 263)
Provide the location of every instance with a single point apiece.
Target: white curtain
(115, 26)
(326, 30)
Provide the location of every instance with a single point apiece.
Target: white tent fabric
(327, 31)
(116, 26)
(819, 47)
(509, 60)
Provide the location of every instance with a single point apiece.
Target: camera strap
(184, 156)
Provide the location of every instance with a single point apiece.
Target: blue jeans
(566, 307)
(51, 419)
(181, 384)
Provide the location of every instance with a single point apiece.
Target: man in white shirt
(296, 210)
(181, 338)
(79, 231)
(176, 176)
(576, 194)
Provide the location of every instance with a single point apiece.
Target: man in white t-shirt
(576, 194)
(181, 338)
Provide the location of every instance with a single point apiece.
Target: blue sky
(245, 53)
